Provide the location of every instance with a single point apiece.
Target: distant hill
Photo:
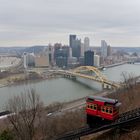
(21, 50)
(34, 49)
(38, 48)
(121, 49)
(128, 49)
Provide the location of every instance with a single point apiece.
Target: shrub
(6, 135)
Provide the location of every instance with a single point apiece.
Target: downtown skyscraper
(75, 44)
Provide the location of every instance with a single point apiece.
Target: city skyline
(28, 22)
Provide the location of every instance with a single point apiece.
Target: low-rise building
(42, 61)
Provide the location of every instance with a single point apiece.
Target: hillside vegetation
(130, 99)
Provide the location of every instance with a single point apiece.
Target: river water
(62, 90)
(115, 73)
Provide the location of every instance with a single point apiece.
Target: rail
(125, 118)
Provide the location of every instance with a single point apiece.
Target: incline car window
(110, 111)
(107, 110)
(95, 107)
(92, 106)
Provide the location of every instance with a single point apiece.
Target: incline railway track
(124, 119)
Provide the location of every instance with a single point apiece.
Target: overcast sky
(34, 22)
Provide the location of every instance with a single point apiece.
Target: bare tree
(26, 109)
(129, 80)
(56, 106)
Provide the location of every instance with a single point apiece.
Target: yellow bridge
(89, 72)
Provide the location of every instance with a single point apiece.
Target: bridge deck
(100, 79)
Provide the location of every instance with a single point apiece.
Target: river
(115, 73)
(62, 90)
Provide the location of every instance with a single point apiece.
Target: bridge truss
(96, 75)
(91, 73)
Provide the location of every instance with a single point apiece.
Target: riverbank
(7, 80)
(116, 64)
(112, 65)
(19, 78)
(14, 79)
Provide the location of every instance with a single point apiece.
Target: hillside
(20, 50)
(130, 99)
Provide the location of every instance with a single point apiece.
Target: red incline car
(101, 110)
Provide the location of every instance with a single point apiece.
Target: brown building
(42, 61)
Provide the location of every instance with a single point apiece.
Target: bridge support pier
(105, 86)
(70, 77)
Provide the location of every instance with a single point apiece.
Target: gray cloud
(28, 22)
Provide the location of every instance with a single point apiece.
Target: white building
(82, 49)
(25, 60)
(51, 54)
(28, 59)
(86, 43)
(70, 52)
(96, 60)
(103, 48)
